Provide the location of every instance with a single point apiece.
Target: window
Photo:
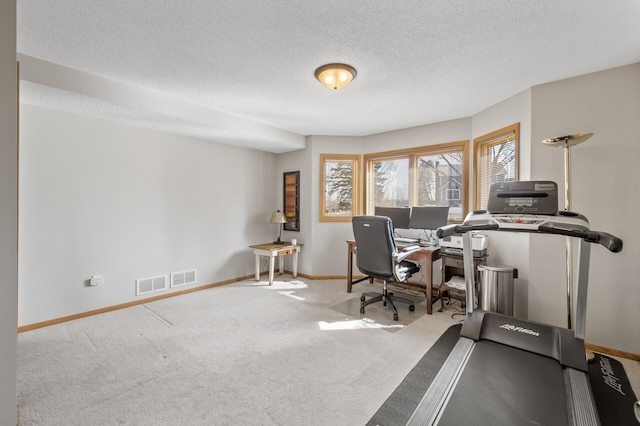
(496, 157)
(434, 175)
(453, 194)
(339, 196)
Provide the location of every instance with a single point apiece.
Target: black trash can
(496, 288)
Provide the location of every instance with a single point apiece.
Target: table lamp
(279, 218)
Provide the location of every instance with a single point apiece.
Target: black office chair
(377, 256)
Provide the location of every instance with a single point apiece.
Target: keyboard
(514, 222)
(406, 240)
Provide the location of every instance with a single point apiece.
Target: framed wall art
(291, 184)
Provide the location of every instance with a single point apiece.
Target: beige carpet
(296, 353)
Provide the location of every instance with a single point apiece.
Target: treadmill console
(530, 206)
(532, 197)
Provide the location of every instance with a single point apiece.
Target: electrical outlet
(96, 280)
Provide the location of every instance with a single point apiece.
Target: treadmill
(505, 370)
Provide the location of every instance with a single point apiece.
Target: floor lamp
(567, 142)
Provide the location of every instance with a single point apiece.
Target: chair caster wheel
(384, 303)
(395, 317)
(390, 294)
(412, 308)
(362, 310)
(362, 298)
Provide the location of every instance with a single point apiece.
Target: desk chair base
(387, 299)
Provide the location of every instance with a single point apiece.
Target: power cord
(265, 266)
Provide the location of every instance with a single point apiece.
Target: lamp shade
(568, 140)
(335, 76)
(278, 217)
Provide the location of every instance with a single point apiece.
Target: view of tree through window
(339, 199)
(496, 161)
(339, 187)
(426, 176)
(391, 183)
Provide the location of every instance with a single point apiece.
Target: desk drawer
(286, 251)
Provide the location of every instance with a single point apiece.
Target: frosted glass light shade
(335, 76)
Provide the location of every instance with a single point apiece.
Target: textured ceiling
(241, 72)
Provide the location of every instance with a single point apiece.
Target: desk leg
(272, 264)
(281, 264)
(257, 267)
(295, 264)
(429, 278)
(349, 269)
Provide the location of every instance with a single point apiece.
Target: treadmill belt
(506, 386)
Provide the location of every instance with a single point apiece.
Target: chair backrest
(375, 246)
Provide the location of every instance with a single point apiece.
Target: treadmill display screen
(532, 197)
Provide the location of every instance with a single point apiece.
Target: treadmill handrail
(610, 242)
(448, 230)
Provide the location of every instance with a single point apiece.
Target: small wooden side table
(272, 251)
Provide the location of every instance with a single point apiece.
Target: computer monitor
(399, 215)
(428, 217)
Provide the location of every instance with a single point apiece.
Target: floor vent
(183, 278)
(152, 284)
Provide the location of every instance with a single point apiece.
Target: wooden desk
(272, 251)
(426, 254)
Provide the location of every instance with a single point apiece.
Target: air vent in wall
(152, 284)
(183, 278)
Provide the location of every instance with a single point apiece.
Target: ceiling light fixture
(335, 76)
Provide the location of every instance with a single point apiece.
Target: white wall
(447, 131)
(8, 212)
(606, 173)
(100, 198)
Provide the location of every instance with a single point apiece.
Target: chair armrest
(401, 255)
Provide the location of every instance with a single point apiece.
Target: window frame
(355, 186)
(485, 142)
(412, 154)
